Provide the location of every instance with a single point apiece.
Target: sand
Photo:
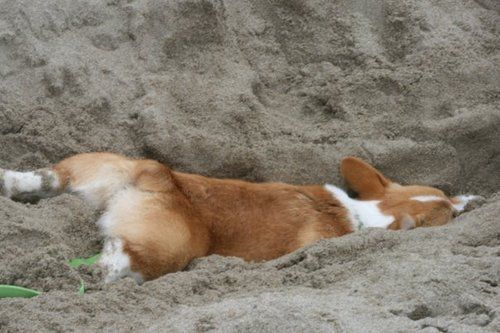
(260, 90)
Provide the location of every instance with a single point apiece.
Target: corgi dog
(156, 220)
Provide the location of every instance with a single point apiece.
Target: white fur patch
(363, 214)
(463, 200)
(106, 223)
(116, 262)
(427, 198)
(15, 182)
(123, 206)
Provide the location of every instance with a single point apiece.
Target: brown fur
(176, 217)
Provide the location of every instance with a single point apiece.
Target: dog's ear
(364, 179)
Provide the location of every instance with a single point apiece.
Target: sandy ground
(262, 90)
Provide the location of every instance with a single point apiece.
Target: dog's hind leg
(116, 262)
(149, 234)
(149, 226)
(30, 185)
(96, 177)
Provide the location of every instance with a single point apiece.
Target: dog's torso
(262, 221)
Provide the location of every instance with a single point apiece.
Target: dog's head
(412, 206)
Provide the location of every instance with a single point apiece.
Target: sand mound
(260, 90)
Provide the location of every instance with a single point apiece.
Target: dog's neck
(361, 213)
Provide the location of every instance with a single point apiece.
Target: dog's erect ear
(364, 179)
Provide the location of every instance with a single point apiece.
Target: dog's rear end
(148, 225)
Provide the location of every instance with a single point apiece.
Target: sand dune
(261, 90)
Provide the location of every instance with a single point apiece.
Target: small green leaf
(77, 262)
(81, 290)
(15, 291)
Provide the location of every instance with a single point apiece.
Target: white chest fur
(363, 214)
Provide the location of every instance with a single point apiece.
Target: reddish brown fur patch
(160, 239)
(364, 179)
(261, 221)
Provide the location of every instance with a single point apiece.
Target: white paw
(115, 262)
